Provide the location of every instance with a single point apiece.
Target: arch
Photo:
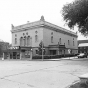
(24, 40)
(28, 40)
(21, 41)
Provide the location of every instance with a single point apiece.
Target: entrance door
(14, 55)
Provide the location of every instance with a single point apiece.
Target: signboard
(69, 51)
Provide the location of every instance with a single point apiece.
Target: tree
(41, 45)
(76, 14)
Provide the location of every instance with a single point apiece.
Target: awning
(83, 45)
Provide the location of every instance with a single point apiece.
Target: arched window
(25, 41)
(68, 42)
(36, 38)
(73, 43)
(60, 41)
(15, 40)
(51, 39)
(36, 32)
(28, 40)
(51, 33)
(21, 41)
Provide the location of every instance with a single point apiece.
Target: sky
(18, 12)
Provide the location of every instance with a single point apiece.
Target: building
(3, 47)
(55, 40)
(83, 46)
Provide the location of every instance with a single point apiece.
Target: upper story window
(23, 34)
(51, 39)
(36, 38)
(27, 33)
(68, 42)
(60, 41)
(21, 41)
(73, 43)
(36, 32)
(25, 41)
(51, 33)
(28, 40)
(15, 40)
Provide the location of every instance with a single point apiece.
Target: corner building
(56, 40)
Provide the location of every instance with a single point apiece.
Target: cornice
(44, 24)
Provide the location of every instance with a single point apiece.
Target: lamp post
(31, 49)
(31, 55)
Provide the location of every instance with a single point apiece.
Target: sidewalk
(57, 59)
(74, 58)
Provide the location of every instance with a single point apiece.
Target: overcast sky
(18, 12)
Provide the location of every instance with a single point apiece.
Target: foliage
(41, 45)
(53, 56)
(1, 51)
(76, 14)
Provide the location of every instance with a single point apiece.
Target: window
(27, 33)
(36, 32)
(25, 41)
(60, 41)
(36, 51)
(73, 43)
(23, 34)
(51, 39)
(51, 33)
(36, 38)
(15, 40)
(28, 40)
(21, 41)
(68, 42)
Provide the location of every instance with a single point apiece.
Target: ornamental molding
(44, 24)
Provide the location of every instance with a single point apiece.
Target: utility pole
(42, 50)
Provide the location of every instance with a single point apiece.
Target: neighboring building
(56, 40)
(83, 46)
(3, 46)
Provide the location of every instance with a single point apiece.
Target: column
(3, 56)
(31, 54)
(20, 55)
(8, 55)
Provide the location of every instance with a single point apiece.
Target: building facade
(55, 40)
(83, 46)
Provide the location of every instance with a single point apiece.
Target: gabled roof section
(42, 23)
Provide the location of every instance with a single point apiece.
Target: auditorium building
(55, 40)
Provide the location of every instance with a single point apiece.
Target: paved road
(40, 74)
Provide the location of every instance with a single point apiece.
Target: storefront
(18, 53)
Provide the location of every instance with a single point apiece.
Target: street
(40, 74)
